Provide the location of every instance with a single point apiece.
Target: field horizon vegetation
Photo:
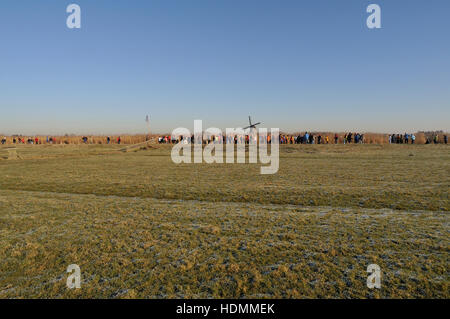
(140, 226)
(369, 138)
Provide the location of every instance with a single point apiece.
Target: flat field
(140, 226)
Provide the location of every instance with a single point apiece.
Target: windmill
(251, 125)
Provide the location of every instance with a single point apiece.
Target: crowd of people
(436, 140)
(30, 140)
(50, 140)
(22, 140)
(402, 139)
(411, 139)
(305, 138)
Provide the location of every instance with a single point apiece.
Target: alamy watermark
(374, 19)
(73, 21)
(74, 279)
(374, 278)
(209, 146)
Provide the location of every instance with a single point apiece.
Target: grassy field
(140, 226)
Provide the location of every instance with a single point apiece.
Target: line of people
(306, 138)
(436, 139)
(402, 138)
(22, 140)
(49, 140)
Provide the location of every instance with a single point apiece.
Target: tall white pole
(147, 119)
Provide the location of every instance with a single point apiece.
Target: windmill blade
(251, 125)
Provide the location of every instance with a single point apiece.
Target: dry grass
(140, 226)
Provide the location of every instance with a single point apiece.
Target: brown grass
(140, 226)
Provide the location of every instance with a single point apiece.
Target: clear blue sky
(296, 65)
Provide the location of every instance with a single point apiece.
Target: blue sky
(296, 65)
